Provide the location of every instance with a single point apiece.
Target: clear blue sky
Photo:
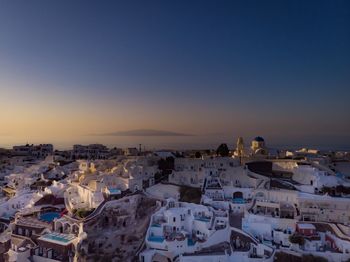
(279, 69)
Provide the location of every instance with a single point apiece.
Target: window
(174, 219)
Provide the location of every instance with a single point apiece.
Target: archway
(67, 228)
(260, 195)
(237, 194)
(75, 229)
(59, 226)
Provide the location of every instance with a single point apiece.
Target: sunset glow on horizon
(79, 68)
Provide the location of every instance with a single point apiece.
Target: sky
(213, 69)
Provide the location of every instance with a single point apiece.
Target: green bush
(81, 213)
(222, 150)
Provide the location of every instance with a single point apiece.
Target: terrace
(240, 242)
(266, 208)
(157, 221)
(179, 236)
(32, 222)
(170, 236)
(218, 249)
(213, 185)
(266, 211)
(287, 210)
(220, 225)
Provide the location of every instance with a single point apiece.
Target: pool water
(114, 191)
(158, 239)
(58, 237)
(238, 200)
(50, 216)
(190, 242)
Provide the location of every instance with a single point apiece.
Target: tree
(222, 150)
(327, 189)
(158, 176)
(166, 165)
(82, 213)
(297, 239)
(198, 154)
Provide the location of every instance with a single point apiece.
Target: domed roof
(259, 139)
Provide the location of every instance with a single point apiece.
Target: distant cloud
(144, 132)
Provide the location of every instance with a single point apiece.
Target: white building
(92, 151)
(38, 151)
(193, 171)
(181, 227)
(100, 179)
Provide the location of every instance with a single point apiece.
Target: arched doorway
(237, 195)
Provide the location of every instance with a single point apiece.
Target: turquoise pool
(238, 200)
(50, 216)
(58, 237)
(190, 242)
(158, 239)
(114, 191)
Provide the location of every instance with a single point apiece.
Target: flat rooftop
(306, 226)
(32, 222)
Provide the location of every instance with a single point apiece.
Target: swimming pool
(50, 216)
(190, 242)
(158, 239)
(63, 238)
(114, 191)
(238, 200)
